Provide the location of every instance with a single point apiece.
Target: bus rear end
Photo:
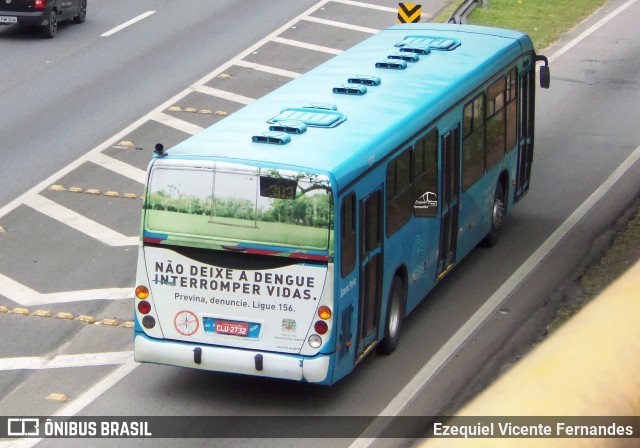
(233, 272)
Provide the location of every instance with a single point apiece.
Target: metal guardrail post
(459, 16)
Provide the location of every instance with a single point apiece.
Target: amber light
(144, 307)
(321, 327)
(142, 292)
(324, 312)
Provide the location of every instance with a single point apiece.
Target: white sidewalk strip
(176, 123)
(119, 167)
(306, 46)
(126, 24)
(224, 94)
(65, 361)
(79, 222)
(348, 26)
(267, 69)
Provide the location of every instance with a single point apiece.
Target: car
(43, 13)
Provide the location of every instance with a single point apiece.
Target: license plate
(234, 328)
(5, 19)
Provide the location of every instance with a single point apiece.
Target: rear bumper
(27, 18)
(226, 359)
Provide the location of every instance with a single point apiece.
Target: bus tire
(497, 217)
(393, 318)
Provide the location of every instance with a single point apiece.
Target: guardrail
(459, 16)
(589, 367)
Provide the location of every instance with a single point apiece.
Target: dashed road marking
(79, 222)
(119, 167)
(65, 361)
(362, 29)
(176, 123)
(306, 46)
(267, 69)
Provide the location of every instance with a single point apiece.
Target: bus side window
(398, 192)
(496, 124)
(425, 175)
(512, 110)
(348, 235)
(473, 142)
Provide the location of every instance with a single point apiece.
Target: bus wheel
(394, 317)
(497, 217)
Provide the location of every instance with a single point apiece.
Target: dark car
(43, 13)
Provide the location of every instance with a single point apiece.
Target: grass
(543, 20)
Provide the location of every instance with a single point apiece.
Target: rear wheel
(51, 29)
(394, 317)
(82, 12)
(497, 217)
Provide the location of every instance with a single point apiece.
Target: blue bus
(293, 237)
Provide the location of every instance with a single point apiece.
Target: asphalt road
(585, 130)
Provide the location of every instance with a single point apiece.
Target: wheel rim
(498, 213)
(83, 10)
(53, 23)
(394, 316)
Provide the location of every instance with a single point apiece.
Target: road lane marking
(80, 222)
(176, 123)
(119, 167)
(25, 296)
(367, 5)
(267, 69)
(127, 24)
(65, 361)
(223, 94)
(305, 45)
(348, 26)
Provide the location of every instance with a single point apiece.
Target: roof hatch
(350, 89)
(323, 117)
(430, 42)
(274, 138)
(393, 64)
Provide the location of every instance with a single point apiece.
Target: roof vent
(350, 89)
(274, 138)
(289, 127)
(311, 116)
(394, 64)
(417, 49)
(405, 56)
(366, 80)
(432, 42)
(325, 106)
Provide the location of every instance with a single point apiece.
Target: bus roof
(462, 57)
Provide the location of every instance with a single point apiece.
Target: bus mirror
(545, 77)
(545, 73)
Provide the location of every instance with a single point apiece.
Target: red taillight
(40, 4)
(144, 307)
(321, 327)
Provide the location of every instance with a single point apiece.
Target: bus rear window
(275, 208)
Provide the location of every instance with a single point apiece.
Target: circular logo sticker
(186, 323)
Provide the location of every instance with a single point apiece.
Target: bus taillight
(324, 312)
(142, 292)
(321, 327)
(144, 307)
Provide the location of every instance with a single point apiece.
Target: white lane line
(348, 26)
(65, 361)
(305, 45)
(82, 401)
(128, 23)
(79, 222)
(267, 69)
(176, 123)
(25, 296)
(224, 94)
(119, 167)
(446, 351)
(367, 5)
